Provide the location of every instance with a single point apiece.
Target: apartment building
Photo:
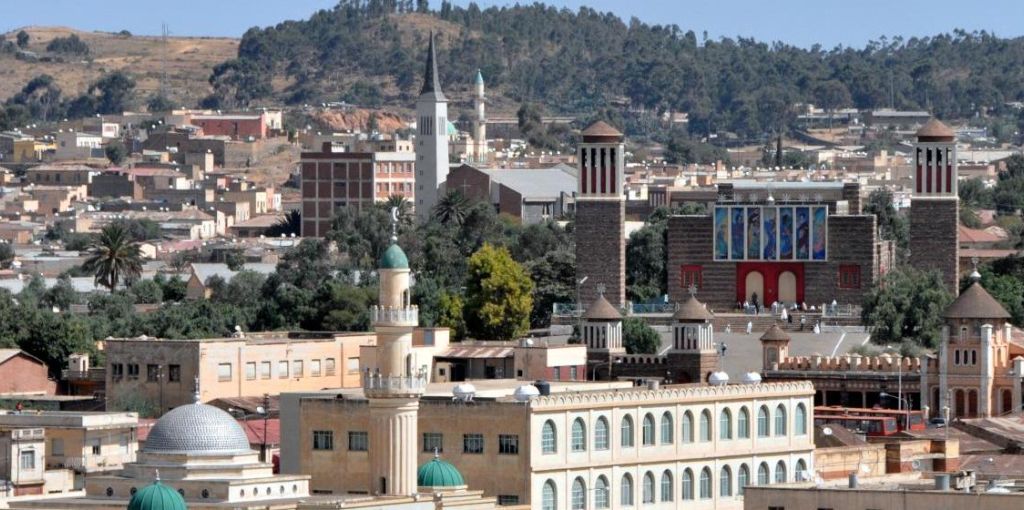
(86, 442)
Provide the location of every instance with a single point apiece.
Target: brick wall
(852, 241)
(22, 374)
(689, 243)
(933, 238)
(601, 249)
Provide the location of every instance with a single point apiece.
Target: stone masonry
(601, 249)
(933, 238)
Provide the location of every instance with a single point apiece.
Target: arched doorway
(754, 284)
(787, 287)
(959, 408)
(972, 403)
(1007, 402)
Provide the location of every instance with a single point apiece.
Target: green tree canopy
(498, 295)
(639, 338)
(905, 307)
(114, 258)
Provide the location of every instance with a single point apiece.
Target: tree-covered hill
(371, 51)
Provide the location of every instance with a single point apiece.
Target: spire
(431, 83)
(479, 77)
(197, 396)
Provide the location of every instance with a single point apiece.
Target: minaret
(394, 387)
(480, 121)
(934, 205)
(431, 138)
(601, 215)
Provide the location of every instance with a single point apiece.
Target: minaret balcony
(376, 385)
(397, 316)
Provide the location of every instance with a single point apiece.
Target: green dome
(438, 473)
(394, 258)
(157, 497)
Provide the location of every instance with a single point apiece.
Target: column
(944, 370)
(987, 372)
(393, 442)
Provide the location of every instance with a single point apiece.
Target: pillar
(1018, 375)
(944, 370)
(393, 446)
(987, 373)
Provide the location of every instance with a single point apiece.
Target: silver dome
(197, 429)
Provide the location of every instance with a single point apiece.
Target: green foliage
(1008, 194)
(498, 300)
(683, 150)
(136, 402)
(1004, 279)
(6, 255)
(116, 152)
(115, 258)
(147, 292)
(968, 217)
(173, 289)
(891, 225)
(452, 208)
(639, 338)
(973, 193)
(62, 295)
(70, 45)
(290, 224)
(906, 307)
(646, 255)
(159, 103)
(450, 314)
(235, 259)
(553, 275)
(139, 229)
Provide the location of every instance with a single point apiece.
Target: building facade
(935, 204)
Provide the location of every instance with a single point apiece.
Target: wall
(22, 374)
(934, 242)
(761, 498)
(601, 249)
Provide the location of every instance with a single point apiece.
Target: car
(938, 422)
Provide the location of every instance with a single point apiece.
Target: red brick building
(21, 372)
(237, 126)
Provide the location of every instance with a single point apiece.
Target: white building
(431, 139)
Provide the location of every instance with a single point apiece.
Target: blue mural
(785, 233)
(803, 233)
(753, 233)
(818, 233)
(737, 233)
(721, 233)
(769, 233)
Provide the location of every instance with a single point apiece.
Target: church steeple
(431, 82)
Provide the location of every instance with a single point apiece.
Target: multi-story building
(67, 175)
(86, 442)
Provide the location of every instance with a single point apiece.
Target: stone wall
(689, 243)
(852, 241)
(601, 249)
(934, 243)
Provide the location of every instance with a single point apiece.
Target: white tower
(431, 138)
(394, 386)
(480, 121)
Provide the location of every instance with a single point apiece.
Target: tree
(115, 92)
(891, 225)
(498, 295)
(159, 103)
(450, 314)
(116, 152)
(830, 95)
(452, 208)
(22, 39)
(6, 255)
(553, 275)
(114, 258)
(62, 295)
(906, 306)
(639, 338)
(147, 292)
(290, 224)
(70, 45)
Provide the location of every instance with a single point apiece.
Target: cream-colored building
(86, 442)
(161, 371)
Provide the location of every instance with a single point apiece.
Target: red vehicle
(905, 420)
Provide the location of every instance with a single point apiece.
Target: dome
(602, 310)
(718, 378)
(394, 258)
(526, 392)
(751, 378)
(157, 497)
(438, 473)
(975, 303)
(197, 429)
(692, 311)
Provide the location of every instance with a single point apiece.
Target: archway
(959, 408)
(972, 403)
(1007, 406)
(787, 287)
(754, 284)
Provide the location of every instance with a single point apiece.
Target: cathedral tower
(431, 138)
(935, 206)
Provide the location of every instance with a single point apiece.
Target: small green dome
(157, 497)
(394, 258)
(438, 473)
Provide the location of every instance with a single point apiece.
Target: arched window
(743, 424)
(800, 420)
(626, 490)
(762, 422)
(667, 491)
(780, 420)
(686, 431)
(666, 428)
(601, 434)
(579, 494)
(648, 487)
(798, 472)
(548, 441)
(763, 476)
(705, 483)
(725, 425)
(579, 435)
(780, 472)
(705, 425)
(626, 432)
(742, 479)
(602, 493)
(648, 431)
(549, 498)
(687, 483)
(725, 482)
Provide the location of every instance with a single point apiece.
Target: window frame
(358, 441)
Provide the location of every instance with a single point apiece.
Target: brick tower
(600, 215)
(935, 206)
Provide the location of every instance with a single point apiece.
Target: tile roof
(975, 303)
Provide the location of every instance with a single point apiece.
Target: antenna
(164, 32)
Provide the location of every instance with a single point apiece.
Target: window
(705, 483)
(602, 493)
(579, 435)
(174, 373)
(648, 431)
(358, 442)
(687, 428)
(742, 479)
(282, 369)
(117, 371)
(28, 459)
(297, 368)
(572, 373)
(548, 442)
(667, 491)
(352, 365)
(666, 428)
(798, 471)
(557, 373)
(433, 442)
(763, 477)
(57, 447)
(507, 500)
(329, 367)
(601, 434)
(133, 371)
(323, 440)
(472, 443)
(780, 420)
(687, 484)
(95, 446)
(648, 488)
(508, 444)
(224, 372)
(743, 424)
(626, 431)
(265, 370)
(579, 494)
(690, 275)
(705, 426)
(152, 373)
(314, 368)
(725, 482)
(250, 371)
(762, 422)
(780, 472)
(548, 499)
(626, 490)
(849, 276)
(800, 420)
(725, 425)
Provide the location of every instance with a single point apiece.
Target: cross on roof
(693, 290)
(600, 289)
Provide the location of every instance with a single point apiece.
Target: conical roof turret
(431, 80)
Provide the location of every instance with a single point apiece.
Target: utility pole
(266, 417)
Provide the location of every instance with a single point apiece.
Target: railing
(81, 463)
(376, 384)
(841, 310)
(93, 374)
(409, 314)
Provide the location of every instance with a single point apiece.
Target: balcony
(377, 386)
(399, 316)
(93, 374)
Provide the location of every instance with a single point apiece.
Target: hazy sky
(800, 22)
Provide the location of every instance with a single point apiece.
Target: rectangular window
(265, 369)
(152, 373)
(224, 372)
(472, 443)
(507, 500)
(557, 373)
(96, 446)
(314, 368)
(250, 371)
(691, 276)
(282, 369)
(297, 368)
(849, 276)
(352, 365)
(116, 371)
(57, 447)
(508, 444)
(433, 442)
(329, 367)
(133, 371)
(572, 373)
(323, 440)
(28, 459)
(174, 373)
(358, 441)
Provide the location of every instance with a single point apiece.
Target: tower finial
(693, 290)
(437, 453)
(975, 275)
(157, 480)
(431, 82)
(197, 396)
(394, 224)
(600, 289)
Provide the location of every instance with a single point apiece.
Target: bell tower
(935, 205)
(431, 138)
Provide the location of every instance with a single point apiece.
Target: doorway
(787, 287)
(755, 285)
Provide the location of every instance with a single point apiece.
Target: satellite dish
(827, 431)
(916, 465)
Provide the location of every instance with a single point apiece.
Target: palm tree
(398, 202)
(291, 223)
(452, 208)
(114, 258)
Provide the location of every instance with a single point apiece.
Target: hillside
(189, 62)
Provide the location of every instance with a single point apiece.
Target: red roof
(973, 235)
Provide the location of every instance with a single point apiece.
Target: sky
(798, 22)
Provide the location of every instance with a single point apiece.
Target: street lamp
(579, 307)
(264, 411)
(611, 362)
(900, 400)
